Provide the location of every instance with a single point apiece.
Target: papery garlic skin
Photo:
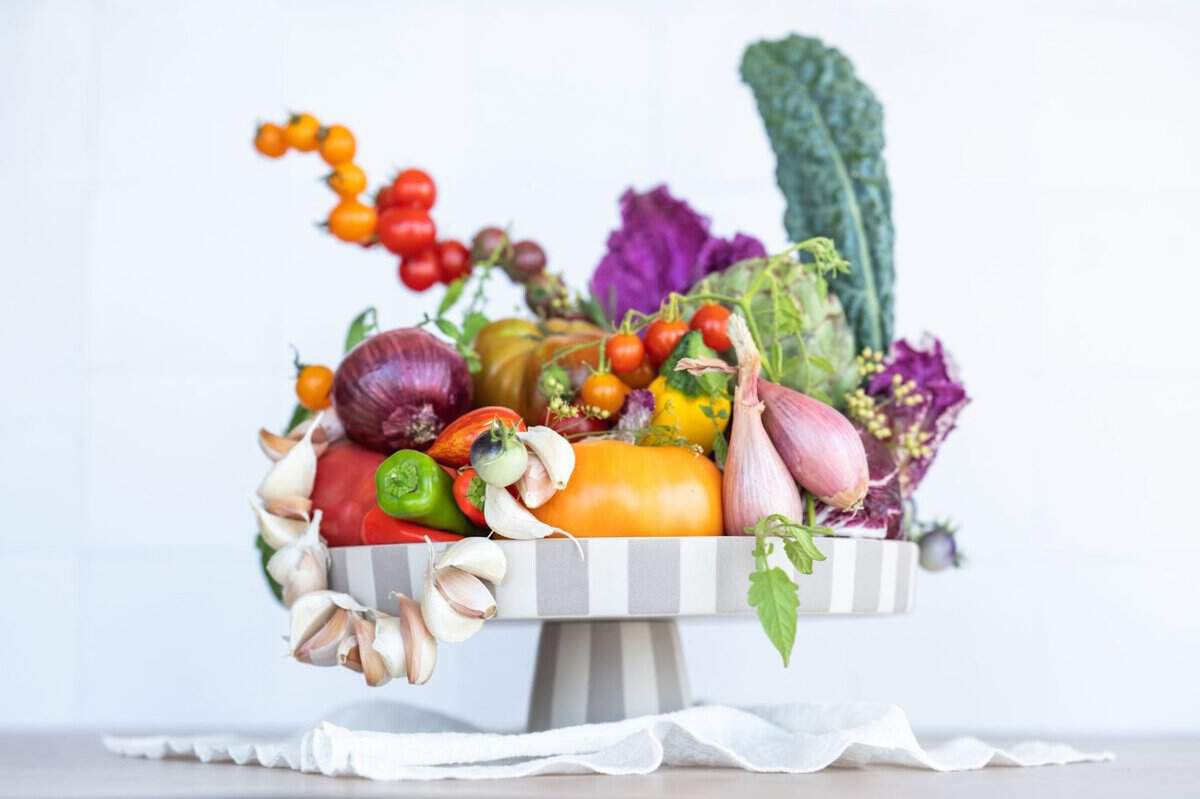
(311, 611)
(820, 446)
(321, 649)
(294, 473)
(756, 482)
(420, 646)
(555, 452)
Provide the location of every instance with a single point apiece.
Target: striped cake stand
(609, 647)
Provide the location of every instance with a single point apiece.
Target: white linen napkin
(390, 741)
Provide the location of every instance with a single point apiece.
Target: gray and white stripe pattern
(621, 578)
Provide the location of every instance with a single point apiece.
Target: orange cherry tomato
(313, 385)
(270, 140)
(302, 131)
(640, 377)
(336, 144)
(712, 321)
(604, 391)
(661, 338)
(348, 180)
(352, 221)
(625, 352)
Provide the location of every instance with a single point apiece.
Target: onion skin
(757, 482)
(820, 446)
(398, 389)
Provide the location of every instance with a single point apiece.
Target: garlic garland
(293, 474)
(276, 530)
(302, 565)
(456, 601)
(555, 452)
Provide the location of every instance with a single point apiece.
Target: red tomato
(712, 321)
(661, 338)
(415, 188)
(379, 528)
(405, 231)
(455, 260)
(344, 491)
(468, 493)
(420, 271)
(640, 377)
(625, 352)
(383, 199)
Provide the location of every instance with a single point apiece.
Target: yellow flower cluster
(869, 362)
(906, 393)
(862, 408)
(914, 442)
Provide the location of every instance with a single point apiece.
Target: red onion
(398, 389)
(756, 482)
(821, 448)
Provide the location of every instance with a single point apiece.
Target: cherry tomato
(336, 143)
(270, 140)
(420, 271)
(625, 352)
(352, 221)
(406, 231)
(527, 262)
(348, 180)
(712, 321)
(604, 391)
(415, 188)
(313, 385)
(301, 132)
(640, 377)
(455, 260)
(383, 198)
(488, 242)
(661, 338)
(468, 493)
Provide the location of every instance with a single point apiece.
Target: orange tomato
(640, 377)
(302, 131)
(336, 143)
(352, 221)
(348, 180)
(313, 385)
(618, 489)
(270, 140)
(604, 391)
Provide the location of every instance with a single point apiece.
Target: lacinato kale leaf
(826, 129)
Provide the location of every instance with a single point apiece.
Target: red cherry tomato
(420, 271)
(625, 352)
(468, 493)
(712, 321)
(640, 377)
(661, 338)
(455, 260)
(405, 231)
(414, 188)
(383, 199)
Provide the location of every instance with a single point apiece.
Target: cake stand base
(595, 671)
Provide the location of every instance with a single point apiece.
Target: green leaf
(826, 128)
(801, 551)
(594, 311)
(448, 328)
(365, 324)
(453, 292)
(776, 600)
(720, 449)
(692, 346)
(472, 324)
(265, 553)
(821, 363)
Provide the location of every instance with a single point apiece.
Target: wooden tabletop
(76, 765)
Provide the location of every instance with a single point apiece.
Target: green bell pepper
(411, 485)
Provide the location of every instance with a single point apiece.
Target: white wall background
(1046, 174)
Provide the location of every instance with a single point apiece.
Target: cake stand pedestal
(609, 647)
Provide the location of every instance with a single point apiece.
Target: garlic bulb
(293, 474)
(301, 566)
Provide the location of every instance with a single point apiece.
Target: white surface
(1046, 185)
(788, 739)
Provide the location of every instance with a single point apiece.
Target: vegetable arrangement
(702, 388)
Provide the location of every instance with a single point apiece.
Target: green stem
(810, 509)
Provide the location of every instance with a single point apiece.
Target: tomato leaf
(473, 322)
(775, 599)
(448, 328)
(720, 449)
(453, 292)
(363, 325)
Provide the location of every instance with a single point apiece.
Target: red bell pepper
(379, 528)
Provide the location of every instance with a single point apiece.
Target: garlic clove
(310, 612)
(374, 669)
(554, 451)
(293, 474)
(273, 446)
(322, 648)
(277, 531)
(331, 428)
(347, 654)
(309, 575)
(281, 565)
(512, 520)
(441, 619)
(535, 485)
(466, 593)
(293, 508)
(420, 646)
(389, 643)
(481, 557)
